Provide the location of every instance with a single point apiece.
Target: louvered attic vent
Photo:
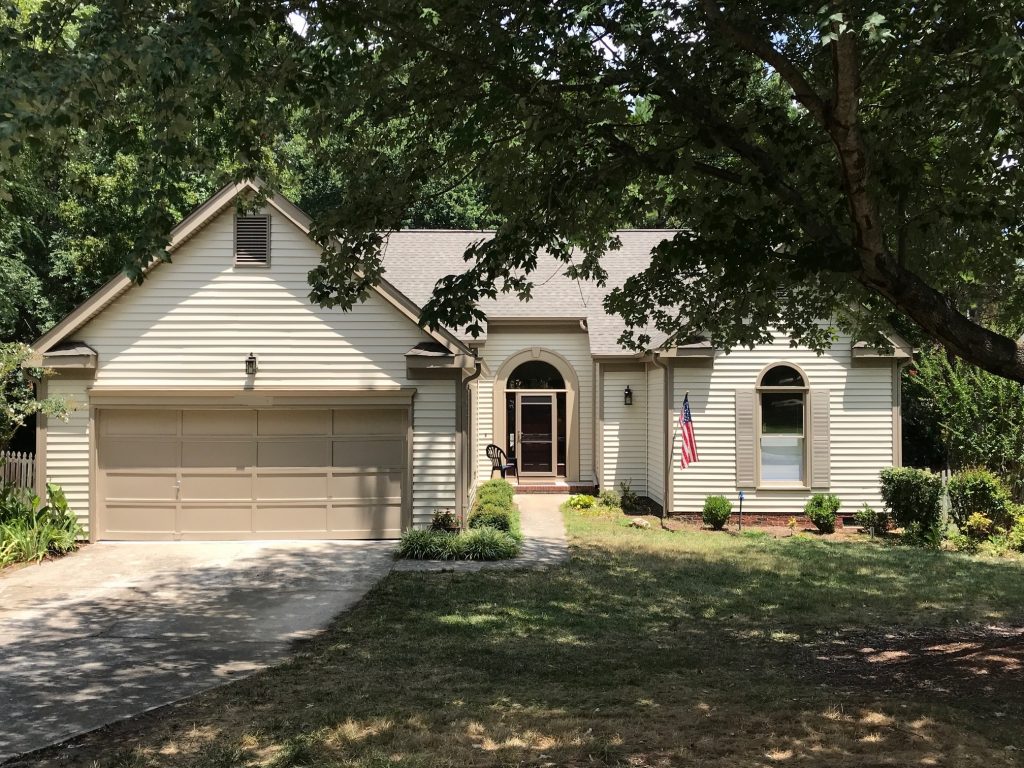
(252, 241)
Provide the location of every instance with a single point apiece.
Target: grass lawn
(650, 649)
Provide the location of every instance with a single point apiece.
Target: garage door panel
(370, 421)
(294, 453)
(217, 423)
(218, 454)
(140, 519)
(366, 485)
(141, 485)
(291, 486)
(367, 453)
(294, 422)
(284, 519)
(216, 486)
(251, 473)
(138, 454)
(139, 422)
(219, 519)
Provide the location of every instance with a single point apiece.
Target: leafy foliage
(580, 501)
(445, 520)
(29, 530)
(822, 509)
(628, 499)
(609, 499)
(871, 520)
(716, 512)
(913, 497)
(17, 398)
(979, 492)
(978, 418)
(491, 516)
(497, 490)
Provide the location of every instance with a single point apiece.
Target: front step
(556, 487)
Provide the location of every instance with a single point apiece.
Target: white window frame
(805, 466)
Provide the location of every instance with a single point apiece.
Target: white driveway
(117, 629)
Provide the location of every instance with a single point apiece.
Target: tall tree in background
(850, 161)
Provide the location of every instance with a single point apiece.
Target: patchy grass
(652, 648)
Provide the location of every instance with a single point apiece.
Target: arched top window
(535, 374)
(783, 377)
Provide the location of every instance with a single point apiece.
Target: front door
(536, 418)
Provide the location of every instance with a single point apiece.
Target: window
(535, 374)
(252, 241)
(782, 399)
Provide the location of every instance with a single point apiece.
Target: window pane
(535, 374)
(782, 413)
(782, 376)
(782, 459)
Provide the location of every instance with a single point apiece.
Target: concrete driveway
(117, 629)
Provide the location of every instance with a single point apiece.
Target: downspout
(465, 418)
(666, 434)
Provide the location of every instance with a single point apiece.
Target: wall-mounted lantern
(250, 365)
(627, 396)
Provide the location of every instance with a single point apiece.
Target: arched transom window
(535, 374)
(782, 397)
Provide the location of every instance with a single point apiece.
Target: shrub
(477, 544)
(1015, 536)
(610, 499)
(628, 500)
(822, 509)
(912, 497)
(491, 516)
(445, 520)
(979, 492)
(977, 527)
(716, 511)
(488, 544)
(580, 501)
(870, 520)
(497, 490)
(30, 531)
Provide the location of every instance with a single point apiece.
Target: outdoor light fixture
(627, 396)
(250, 365)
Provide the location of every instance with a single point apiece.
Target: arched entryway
(536, 414)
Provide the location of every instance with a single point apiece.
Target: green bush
(445, 520)
(912, 496)
(476, 544)
(628, 500)
(30, 531)
(823, 509)
(580, 501)
(716, 512)
(977, 491)
(491, 516)
(870, 520)
(977, 527)
(1015, 536)
(499, 491)
(489, 544)
(610, 499)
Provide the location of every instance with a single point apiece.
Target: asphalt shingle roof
(414, 260)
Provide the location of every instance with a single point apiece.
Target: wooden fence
(19, 468)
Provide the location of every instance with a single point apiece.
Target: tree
(17, 397)
(849, 162)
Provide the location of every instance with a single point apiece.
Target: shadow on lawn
(632, 655)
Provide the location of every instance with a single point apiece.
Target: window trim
(760, 389)
(234, 242)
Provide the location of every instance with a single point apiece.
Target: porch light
(627, 396)
(250, 365)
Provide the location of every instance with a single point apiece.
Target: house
(213, 401)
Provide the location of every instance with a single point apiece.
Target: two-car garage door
(245, 473)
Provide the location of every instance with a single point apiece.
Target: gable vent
(252, 240)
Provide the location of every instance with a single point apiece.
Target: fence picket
(18, 468)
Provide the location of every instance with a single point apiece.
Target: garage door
(251, 474)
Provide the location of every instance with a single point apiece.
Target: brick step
(559, 487)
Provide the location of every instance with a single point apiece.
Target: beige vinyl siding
(67, 446)
(193, 322)
(860, 417)
(433, 449)
(575, 348)
(625, 431)
(655, 434)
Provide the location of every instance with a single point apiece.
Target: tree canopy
(856, 161)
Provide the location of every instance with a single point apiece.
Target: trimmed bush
(491, 516)
(870, 520)
(912, 497)
(823, 509)
(610, 499)
(580, 501)
(716, 512)
(979, 492)
(498, 491)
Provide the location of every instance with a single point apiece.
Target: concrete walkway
(545, 543)
(117, 629)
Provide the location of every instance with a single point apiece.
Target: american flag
(689, 448)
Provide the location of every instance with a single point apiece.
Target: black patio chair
(500, 462)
